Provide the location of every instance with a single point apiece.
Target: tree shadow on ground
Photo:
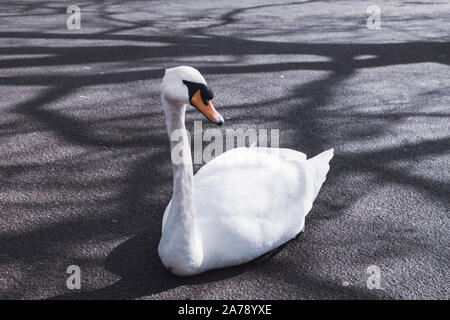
(147, 185)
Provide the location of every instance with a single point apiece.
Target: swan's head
(185, 85)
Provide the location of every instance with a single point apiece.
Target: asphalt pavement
(85, 172)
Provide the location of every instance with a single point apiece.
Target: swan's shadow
(137, 263)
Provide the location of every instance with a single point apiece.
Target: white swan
(243, 204)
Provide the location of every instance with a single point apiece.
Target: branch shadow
(147, 187)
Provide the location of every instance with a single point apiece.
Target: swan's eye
(205, 91)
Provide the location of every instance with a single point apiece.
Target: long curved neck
(180, 150)
(179, 232)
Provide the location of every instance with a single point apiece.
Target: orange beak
(207, 109)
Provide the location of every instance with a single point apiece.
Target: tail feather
(320, 165)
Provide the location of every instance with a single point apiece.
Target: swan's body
(241, 205)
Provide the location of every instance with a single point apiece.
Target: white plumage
(241, 205)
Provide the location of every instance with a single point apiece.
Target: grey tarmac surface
(85, 171)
